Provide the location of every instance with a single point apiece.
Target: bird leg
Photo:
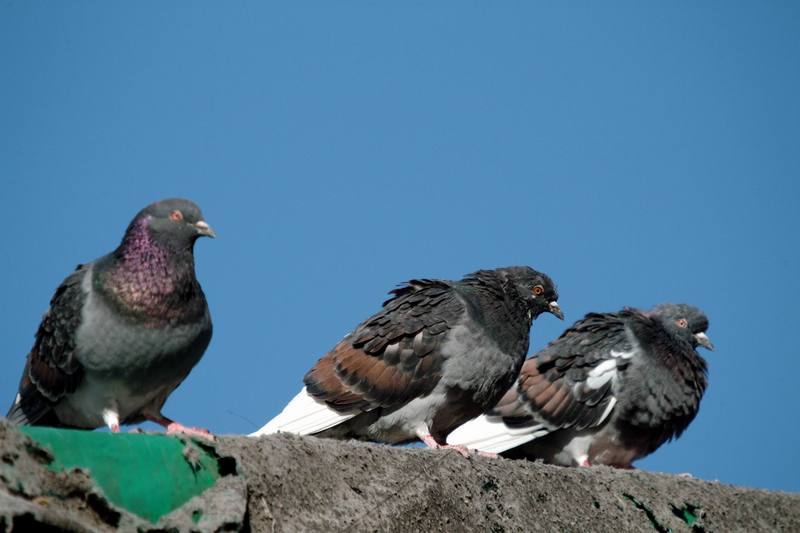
(173, 427)
(111, 419)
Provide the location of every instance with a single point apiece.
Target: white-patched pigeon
(123, 331)
(610, 390)
(438, 354)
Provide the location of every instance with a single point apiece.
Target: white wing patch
(492, 435)
(622, 355)
(602, 374)
(304, 416)
(607, 370)
(611, 403)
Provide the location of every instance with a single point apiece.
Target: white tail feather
(303, 416)
(492, 435)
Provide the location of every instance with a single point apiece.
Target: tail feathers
(304, 416)
(491, 434)
(32, 409)
(16, 414)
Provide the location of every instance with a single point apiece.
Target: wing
(392, 357)
(568, 384)
(51, 370)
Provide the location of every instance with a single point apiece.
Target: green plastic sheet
(148, 475)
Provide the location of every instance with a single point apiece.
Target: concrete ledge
(294, 483)
(308, 484)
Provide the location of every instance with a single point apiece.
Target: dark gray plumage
(123, 331)
(436, 355)
(610, 390)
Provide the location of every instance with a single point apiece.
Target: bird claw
(459, 448)
(174, 428)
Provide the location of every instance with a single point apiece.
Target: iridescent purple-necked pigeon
(610, 390)
(436, 355)
(123, 331)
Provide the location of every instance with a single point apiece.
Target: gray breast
(111, 344)
(475, 363)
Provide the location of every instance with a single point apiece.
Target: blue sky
(637, 155)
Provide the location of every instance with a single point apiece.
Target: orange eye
(537, 290)
(176, 215)
(682, 323)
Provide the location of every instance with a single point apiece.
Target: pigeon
(610, 390)
(123, 331)
(436, 355)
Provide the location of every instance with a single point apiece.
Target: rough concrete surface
(308, 484)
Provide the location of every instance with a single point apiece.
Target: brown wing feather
(552, 385)
(324, 383)
(392, 357)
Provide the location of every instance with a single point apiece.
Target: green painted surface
(146, 474)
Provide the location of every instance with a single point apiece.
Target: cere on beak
(556, 310)
(204, 229)
(704, 341)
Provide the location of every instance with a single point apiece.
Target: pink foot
(114, 428)
(584, 463)
(174, 427)
(431, 443)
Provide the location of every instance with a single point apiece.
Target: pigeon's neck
(498, 306)
(674, 354)
(148, 278)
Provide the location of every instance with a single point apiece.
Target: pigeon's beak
(704, 341)
(556, 310)
(204, 229)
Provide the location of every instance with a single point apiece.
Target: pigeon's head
(687, 321)
(536, 288)
(175, 221)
